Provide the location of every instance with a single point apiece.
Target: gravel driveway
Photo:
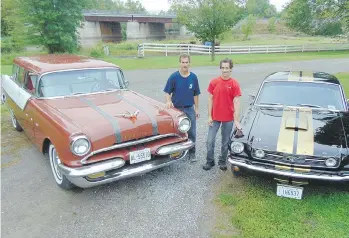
(175, 201)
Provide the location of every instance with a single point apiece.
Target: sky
(158, 5)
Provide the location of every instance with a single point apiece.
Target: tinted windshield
(293, 93)
(80, 81)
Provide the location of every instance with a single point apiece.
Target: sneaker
(208, 165)
(222, 166)
(192, 157)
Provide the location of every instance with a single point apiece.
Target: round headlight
(330, 162)
(259, 153)
(80, 145)
(237, 147)
(184, 124)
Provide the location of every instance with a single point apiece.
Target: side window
(30, 82)
(20, 78)
(15, 69)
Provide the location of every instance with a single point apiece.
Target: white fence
(167, 49)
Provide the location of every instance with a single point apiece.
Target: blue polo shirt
(183, 89)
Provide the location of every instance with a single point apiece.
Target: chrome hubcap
(14, 121)
(55, 161)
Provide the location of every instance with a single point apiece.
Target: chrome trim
(173, 148)
(179, 123)
(126, 144)
(127, 172)
(322, 176)
(297, 164)
(91, 169)
(74, 139)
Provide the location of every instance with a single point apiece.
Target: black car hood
(301, 131)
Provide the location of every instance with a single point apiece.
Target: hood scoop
(301, 124)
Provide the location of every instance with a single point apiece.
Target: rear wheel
(60, 179)
(14, 121)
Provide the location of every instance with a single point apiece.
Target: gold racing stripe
(287, 131)
(282, 167)
(307, 76)
(305, 141)
(294, 76)
(301, 170)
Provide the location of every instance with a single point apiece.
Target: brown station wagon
(80, 113)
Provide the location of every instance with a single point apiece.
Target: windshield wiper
(271, 104)
(310, 105)
(77, 93)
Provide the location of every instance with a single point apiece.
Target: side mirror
(251, 98)
(127, 83)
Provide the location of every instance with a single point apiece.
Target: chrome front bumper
(114, 168)
(316, 175)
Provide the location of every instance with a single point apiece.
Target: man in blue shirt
(182, 92)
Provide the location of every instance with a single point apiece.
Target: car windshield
(74, 82)
(316, 95)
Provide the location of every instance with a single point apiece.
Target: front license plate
(288, 191)
(139, 156)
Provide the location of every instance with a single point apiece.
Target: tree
(298, 15)
(248, 27)
(54, 22)
(272, 25)
(320, 17)
(12, 26)
(208, 19)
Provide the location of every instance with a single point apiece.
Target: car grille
(296, 160)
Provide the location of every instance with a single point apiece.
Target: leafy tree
(134, 6)
(320, 17)
(248, 27)
(298, 15)
(272, 25)
(208, 19)
(12, 26)
(54, 23)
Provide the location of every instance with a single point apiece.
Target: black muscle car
(296, 129)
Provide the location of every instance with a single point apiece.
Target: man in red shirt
(223, 111)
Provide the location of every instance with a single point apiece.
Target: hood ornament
(132, 116)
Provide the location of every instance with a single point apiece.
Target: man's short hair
(226, 60)
(184, 56)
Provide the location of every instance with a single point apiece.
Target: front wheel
(60, 179)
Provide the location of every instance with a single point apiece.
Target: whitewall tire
(60, 179)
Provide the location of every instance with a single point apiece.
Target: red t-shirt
(224, 92)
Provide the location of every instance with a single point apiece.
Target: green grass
(204, 60)
(259, 212)
(255, 210)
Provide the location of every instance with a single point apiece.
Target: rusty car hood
(107, 117)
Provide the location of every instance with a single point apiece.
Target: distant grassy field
(201, 60)
(204, 60)
(254, 210)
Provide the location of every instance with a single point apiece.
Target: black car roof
(302, 76)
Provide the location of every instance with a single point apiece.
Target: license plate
(288, 191)
(139, 156)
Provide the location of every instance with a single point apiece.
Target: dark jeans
(226, 128)
(190, 112)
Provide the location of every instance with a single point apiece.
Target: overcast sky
(158, 5)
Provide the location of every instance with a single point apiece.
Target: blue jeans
(190, 112)
(226, 129)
